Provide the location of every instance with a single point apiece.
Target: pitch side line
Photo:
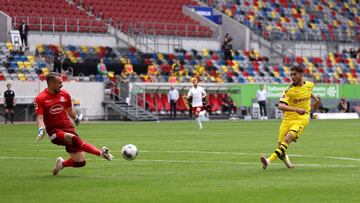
(190, 162)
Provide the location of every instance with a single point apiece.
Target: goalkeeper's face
(57, 85)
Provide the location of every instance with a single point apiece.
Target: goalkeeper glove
(41, 134)
(78, 119)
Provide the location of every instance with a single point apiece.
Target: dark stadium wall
(76, 39)
(5, 25)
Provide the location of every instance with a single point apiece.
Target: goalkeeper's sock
(279, 152)
(86, 147)
(12, 117)
(71, 163)
(68, 163)
(6, 117)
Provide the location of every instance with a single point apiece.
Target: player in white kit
(198, 94)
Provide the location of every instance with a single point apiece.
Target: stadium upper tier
(297, 20)
(183, 65)
(160, 17)
(53, 16)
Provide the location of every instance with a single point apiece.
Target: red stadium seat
(165, 101)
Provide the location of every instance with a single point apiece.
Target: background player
(295, 102)
(9, 103)
(53, 108)
(198, 94)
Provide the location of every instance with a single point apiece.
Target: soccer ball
(129, 152)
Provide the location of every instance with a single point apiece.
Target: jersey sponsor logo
(301, 100)
(57, 108)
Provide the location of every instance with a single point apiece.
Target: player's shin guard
(279, 152)
(86, 147)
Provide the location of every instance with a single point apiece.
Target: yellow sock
(279, 152)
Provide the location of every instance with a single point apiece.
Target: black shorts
(9, 106)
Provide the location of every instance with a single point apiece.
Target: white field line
(221, 153)
(192, 162)
(255, 154)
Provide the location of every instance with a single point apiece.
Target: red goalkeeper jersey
(53, 108)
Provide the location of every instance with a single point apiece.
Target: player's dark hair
(51, 76)
(298, 69)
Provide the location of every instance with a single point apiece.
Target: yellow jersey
(299, 97)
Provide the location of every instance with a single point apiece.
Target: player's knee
(80, 164)
(72, 139)
(289, 138)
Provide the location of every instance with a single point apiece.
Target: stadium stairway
(116, 106)
(130, 112)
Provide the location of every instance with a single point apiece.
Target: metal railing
(178, 29)
(72, 25)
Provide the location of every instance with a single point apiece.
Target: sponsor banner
(336, 115)
(323, 91)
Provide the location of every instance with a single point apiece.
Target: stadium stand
(21, 66)
(46, 16)
(205, 65)
(160, 17)
(297, 20)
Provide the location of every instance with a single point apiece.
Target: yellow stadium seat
(9, 46)
(123, 60)
(21, 65)
(30, 58)
(21, 76)
(205, 52)
(28, 64)
(160, 56)
(45, 71)
(111, 74)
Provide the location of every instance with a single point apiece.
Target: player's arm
(14, 100)
(316, 102)
(73, 115)
(41, 127)
(204, 94)
(284, 107)
(189, 95)
(39, 119)
(4, 99)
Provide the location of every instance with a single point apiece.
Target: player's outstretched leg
(105, 153)
(278, 153)
(61, 163)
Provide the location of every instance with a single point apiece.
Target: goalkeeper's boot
(58, 166)
(265, 162)
(105, 153)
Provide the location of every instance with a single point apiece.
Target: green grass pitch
(179, 163)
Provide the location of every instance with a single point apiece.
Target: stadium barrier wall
(203, 20)
(240, 33)
(76, 39)
(274, 91)
(5, 25)
(90, 94)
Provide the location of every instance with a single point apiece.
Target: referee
(9, 103)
